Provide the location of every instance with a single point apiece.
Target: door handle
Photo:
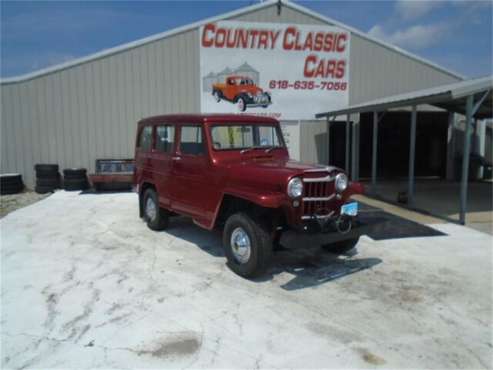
(176, 158)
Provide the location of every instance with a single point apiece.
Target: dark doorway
(393, 144)
(337, 147)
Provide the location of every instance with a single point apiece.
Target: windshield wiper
(266, 149)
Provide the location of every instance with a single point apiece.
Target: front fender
(354, 188)
(261, 198)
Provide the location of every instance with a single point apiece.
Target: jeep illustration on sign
(242, 91)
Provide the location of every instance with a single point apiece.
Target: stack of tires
(47, 178)
(11, 183)
(75, 179)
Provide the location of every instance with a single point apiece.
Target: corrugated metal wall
(76, 115)
(377, 71)
(313, 141)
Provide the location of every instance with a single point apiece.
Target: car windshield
(239, 137)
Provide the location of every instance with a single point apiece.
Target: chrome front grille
(318, 192)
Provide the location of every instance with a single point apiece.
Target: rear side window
(165, 137)
(191, 140)
(145, 140)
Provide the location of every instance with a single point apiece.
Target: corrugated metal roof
(248, 9)
(450, 97)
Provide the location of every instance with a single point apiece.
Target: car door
(190, 165)
(143, 154)
(162, 153)
(230, 90)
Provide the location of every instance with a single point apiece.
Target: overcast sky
(34, 35)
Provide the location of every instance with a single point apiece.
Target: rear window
(145, 140)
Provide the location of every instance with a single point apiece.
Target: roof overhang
(450, 97)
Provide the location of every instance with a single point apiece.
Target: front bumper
(258, 100)
(258, 104)
(313, 233)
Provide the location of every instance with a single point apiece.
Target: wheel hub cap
(151, 209)
(240, 245)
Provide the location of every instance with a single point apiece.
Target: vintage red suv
(233, 173)
(242, 91)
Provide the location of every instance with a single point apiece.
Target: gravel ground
(85, 284)
(9, 203)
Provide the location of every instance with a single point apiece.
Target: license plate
(350, 209)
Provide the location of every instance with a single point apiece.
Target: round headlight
(341, 182)
(295, 187)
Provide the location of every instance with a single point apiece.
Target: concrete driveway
(85, 284)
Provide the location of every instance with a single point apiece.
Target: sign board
(285, 71)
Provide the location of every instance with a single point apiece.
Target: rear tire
(51, 168)
(53, 182)
(157, 219)
(74, 173)
(75, 184)
(247, 261)
(342, 246)
(217, 95)
(44, 189)
(11, 183)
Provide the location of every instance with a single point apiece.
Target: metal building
(76, 112)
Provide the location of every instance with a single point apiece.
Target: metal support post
(348, 127)
(354, 155)
(412, 155)
(374, 152)
(328, 140)
(465, 159)
(450, 170)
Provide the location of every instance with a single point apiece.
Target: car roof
(239, 76)
(206, 118)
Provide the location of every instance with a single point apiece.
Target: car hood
(273, 173)
(252, 89)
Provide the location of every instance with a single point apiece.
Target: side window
(268, 136)
(145, 140)
(165, 137)
(191, 140)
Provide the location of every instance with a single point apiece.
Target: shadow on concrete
(310, 267)
(104, 191)
(315, 266)
(440, 198)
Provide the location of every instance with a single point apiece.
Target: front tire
(342, 246)
(156, 218)
(241, 103)
(247, 245)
